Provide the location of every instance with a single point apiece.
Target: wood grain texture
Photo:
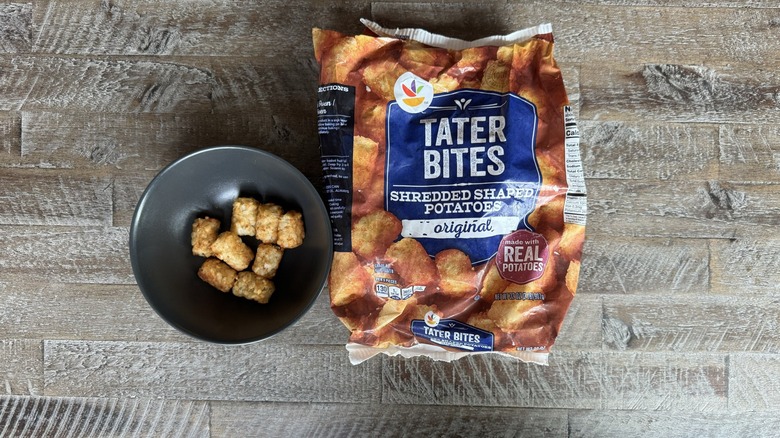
(10, 136)
(101, 417)
(65, 254)
(43, 198)
(574, 380)
(259, 372)
(676, 323)
(639, 265)
(273, 30)
(679, 93)
(753, 252)
(15, 27)
(749, 153)
(581, 328)
(753, 382)
(625, 150)
(21, 366)
(102, 85)
(141, 142)
(651, 424)
(57, 311)
(674, 209)
(361, 420)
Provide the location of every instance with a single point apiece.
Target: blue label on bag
(452, 333)
(462, 172)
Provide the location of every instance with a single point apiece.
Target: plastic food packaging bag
(455, 191)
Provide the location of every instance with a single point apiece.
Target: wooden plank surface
(72, 416)
(673, 329)
(287, 419)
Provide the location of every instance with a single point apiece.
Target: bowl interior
(206, 183)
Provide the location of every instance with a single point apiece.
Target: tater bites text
(217, 274)
(253, 287)
(244, 216)
(267, 260)
(291, 232)
(373, 233)
(204, 233)
(267, 222)
(232, 250)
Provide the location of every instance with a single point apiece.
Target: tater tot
(373, 233)
(267, 223)
(204, 233)
(458, 277)
(267, 260)
(232, 250)
(291, 232)
(218, 274)
(253, 287)
(347, 280)
(412, 263)
(364, 153)
(244, 216)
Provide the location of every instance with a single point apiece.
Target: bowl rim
(138, 212)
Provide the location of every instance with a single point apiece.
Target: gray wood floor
(675, 328)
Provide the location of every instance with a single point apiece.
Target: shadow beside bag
(455, 191)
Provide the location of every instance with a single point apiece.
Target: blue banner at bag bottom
(461, 168)
(452, 333)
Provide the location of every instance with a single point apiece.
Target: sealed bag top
(455, 191)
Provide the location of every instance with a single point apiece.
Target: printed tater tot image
(496, 76)
(553, 171)
(410, 260)
(370, 116)
(392, 310)
(380, 76)
(547, 282)
(372, 198)
(444, 83)
(343, 55)
(372, 234)
(513, 314)
(348, 280)
(572, 241)
(457, 275)
(549, 214)
(424, 61)
(573, 276)
(364, 152)
(472, 63)
(492, 282)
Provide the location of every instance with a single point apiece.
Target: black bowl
(205, 183)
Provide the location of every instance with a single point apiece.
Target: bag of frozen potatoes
(455, 191)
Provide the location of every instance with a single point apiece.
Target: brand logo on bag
(413, 94)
